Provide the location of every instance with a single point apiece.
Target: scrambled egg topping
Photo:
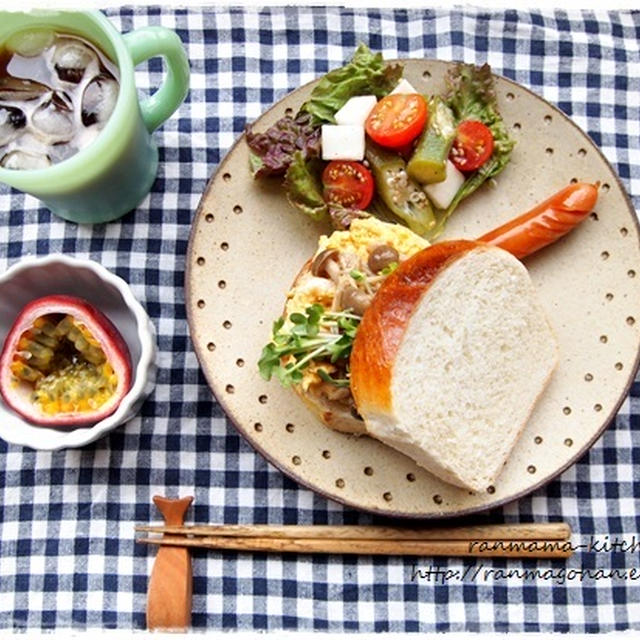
(367, 233)
(309, 290)
(364, 235)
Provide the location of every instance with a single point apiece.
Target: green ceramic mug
(112, 174)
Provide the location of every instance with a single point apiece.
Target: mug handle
(148, 42)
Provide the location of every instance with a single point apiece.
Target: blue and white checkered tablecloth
(67, 552)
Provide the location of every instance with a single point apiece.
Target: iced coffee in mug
(56, 95)
(72, 131)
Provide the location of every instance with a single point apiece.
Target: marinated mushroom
(354, 299)
(382, 256)
(324, 265)
(336, 394)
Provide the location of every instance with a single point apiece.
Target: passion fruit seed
(25, 372)
(63, 327)
(44, 325)
(44, 339)
(77, 387)
(66, 365)
(39, 355)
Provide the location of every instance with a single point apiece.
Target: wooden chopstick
(544, 540)
(526, 531)
(504, 548)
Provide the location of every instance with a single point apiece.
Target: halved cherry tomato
(348, 184)
(397, 119)
(473, 145)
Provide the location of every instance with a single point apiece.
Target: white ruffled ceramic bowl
(33, 278)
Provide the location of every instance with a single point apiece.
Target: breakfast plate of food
(413, 287)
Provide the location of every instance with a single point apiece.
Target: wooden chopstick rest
(169, 593)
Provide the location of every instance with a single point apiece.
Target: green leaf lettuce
(303, 186)
(365, 74)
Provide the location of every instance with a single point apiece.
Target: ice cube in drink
(52, 121)
(12, 120)
(21, 89)
(31, 42)
(71, 59)
(18, 159)
(99, 100)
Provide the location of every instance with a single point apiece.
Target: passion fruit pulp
(64, 363)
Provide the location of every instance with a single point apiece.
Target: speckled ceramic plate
(247, 244)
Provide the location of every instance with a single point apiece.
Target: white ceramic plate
(247, 244)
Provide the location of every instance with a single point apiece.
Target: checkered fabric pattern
(67, 552)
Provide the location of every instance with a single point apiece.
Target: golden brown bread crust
(385, 321)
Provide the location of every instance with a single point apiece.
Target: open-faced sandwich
(342, 277)
(440, 351)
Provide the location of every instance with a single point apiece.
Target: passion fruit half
(64, 363)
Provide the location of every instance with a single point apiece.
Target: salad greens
(366, 74)
(471, 96)
(303, 186)
(291, 147)
(271, 152)
(315, 334)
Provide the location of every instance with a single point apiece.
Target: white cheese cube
(404, 86)
(356, 110)
(342, 142)
(442, 193)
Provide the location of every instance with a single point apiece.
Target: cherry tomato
(348, 184)
(397, 119)
(473, 145)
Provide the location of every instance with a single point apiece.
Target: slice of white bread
(450, 359)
